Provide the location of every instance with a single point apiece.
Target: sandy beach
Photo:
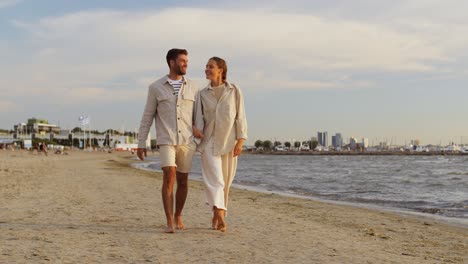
(93, 207)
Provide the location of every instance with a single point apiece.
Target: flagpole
(83, 125)
(89, 133)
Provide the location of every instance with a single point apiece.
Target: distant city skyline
(393, 71)
(344, 140)
(322, 138)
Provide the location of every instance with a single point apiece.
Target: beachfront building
(322, 138)
(36, 125)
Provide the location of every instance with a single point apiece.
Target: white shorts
(179, 156)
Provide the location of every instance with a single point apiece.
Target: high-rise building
(322, 138)
(337, 140)
(365, 142)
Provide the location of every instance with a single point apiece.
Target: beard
(179, 70)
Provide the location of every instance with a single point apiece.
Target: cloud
(85, 49)
(272, 82)
(8, 106)
(8, 3)
(96, 94)
(101, 60)
(112, 56)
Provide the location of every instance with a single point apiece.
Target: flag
(84, 120)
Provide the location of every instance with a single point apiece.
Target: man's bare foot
(170, 226)
(169, 229)
(178, 223)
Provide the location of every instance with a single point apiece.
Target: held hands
(238, 148)
(141, 152)
(197, 133)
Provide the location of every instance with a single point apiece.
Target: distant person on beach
(171, 102)
(221, 117)
(43, 148)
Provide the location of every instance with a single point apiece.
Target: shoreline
(90, 207)
(455, 221)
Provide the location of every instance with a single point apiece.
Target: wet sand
(95, 208)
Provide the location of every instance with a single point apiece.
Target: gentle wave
(421, 184)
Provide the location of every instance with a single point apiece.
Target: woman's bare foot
(222, 226)
(221, 223)
(214, 222)
(178, 223)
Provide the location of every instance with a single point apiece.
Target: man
(171, 103)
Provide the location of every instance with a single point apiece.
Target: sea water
(436, 185)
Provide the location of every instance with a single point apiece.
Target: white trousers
(218, 173)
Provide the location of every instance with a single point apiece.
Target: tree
(277, 143)
(287, 144)
(313, 144)
(95, 132)
(112, 131)
(77, 129)
(258, 143)
(129, 133)
(297, 144)
(267, 144)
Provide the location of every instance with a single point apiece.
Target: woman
(220, 115)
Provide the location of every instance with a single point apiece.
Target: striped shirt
(176, 84)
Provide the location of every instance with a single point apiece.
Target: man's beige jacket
(174, 116)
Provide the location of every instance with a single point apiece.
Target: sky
(383, 70)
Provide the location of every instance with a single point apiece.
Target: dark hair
(172, 54)
(221, 64)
